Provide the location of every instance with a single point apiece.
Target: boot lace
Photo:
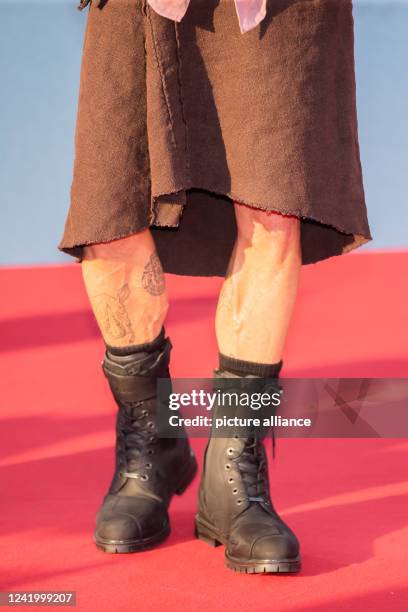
(252, 466)
(136, 437)
(252, 462)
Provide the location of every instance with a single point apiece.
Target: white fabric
(250, 12)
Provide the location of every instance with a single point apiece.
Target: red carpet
(346, 499)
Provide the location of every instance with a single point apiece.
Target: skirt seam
(182, 109)
(163, 81)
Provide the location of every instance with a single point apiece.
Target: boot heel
(188, 479)
(204, 534)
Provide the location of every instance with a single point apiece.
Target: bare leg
(252, 319)
(125, 284)
(259, 292)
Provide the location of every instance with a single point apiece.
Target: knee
(272, 234)
(121, 249)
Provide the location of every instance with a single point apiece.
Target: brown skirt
(177, 121)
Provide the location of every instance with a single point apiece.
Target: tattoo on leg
(153, 277)
(112, 314)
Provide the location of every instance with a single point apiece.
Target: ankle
(133, 349)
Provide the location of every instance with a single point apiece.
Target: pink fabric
(250, 12)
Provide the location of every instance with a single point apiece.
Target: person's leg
(258, 294)
(125, 283)
(126, 287)
(252, 319)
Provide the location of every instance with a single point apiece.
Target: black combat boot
(149, 470)
(235, 507)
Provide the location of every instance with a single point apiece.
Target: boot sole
(130, 546)
(209, 535)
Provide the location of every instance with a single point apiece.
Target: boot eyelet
(234, 491)
(144, 477)
(150, 451)
(236, 437)
(148, 466)
(227, 466)
(239, 502)
(230, 451)
(150, 425)
(231, 480)
(145, 413)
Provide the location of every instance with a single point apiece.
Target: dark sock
(146, 347)
(244, 368)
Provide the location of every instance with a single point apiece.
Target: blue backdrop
(40, 52)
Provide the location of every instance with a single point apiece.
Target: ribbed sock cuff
(146, 347)
(244, 368)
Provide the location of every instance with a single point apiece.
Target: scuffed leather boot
(149, 470)
(235, 507)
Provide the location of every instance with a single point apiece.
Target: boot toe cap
(275, 547)
(130, 519)
(119, 528)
